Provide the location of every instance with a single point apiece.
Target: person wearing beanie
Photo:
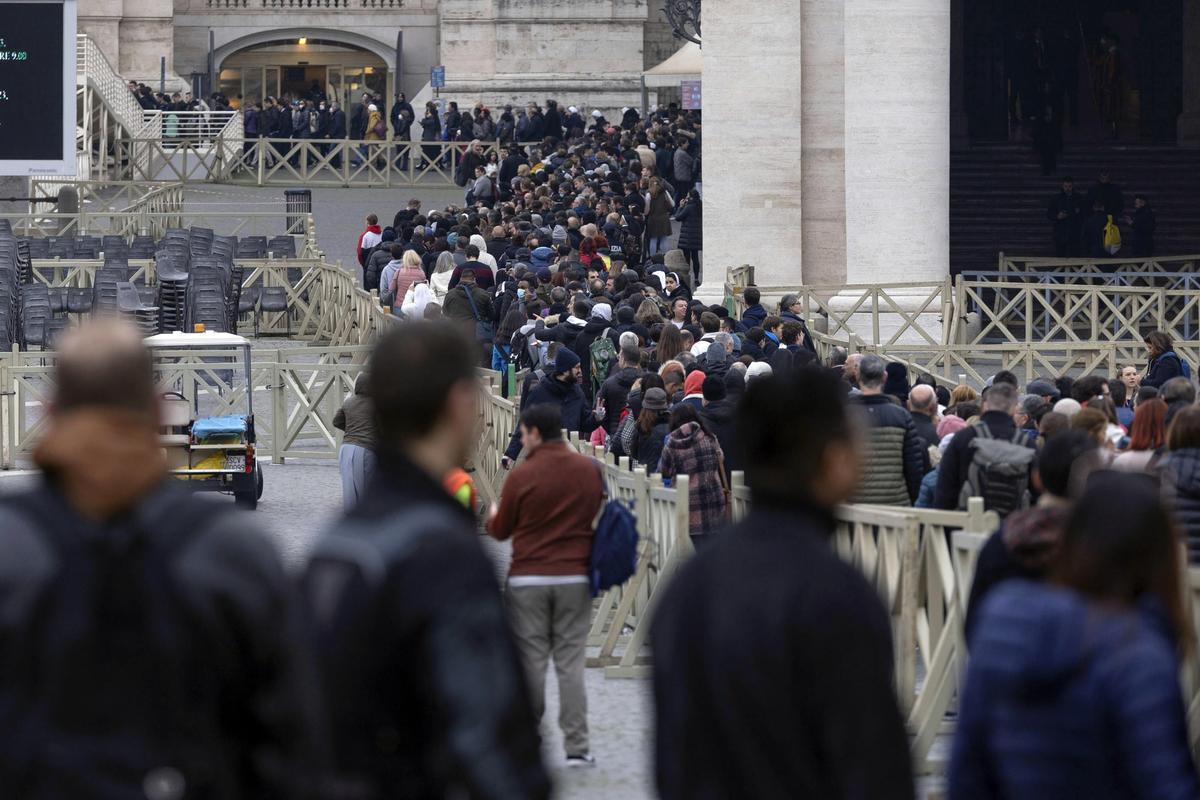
(718, 415)
(735, 383)
(561, 389)
(559, 236)
(599, 323)
(718, 356)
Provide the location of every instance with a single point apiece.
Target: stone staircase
(998, 196)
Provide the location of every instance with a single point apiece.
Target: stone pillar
(897, 142)
(1189, 121)
(752, 177)
(823, 136)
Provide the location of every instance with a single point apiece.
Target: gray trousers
(357, 463)
(554, 620)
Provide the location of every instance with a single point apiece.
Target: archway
(303, 63)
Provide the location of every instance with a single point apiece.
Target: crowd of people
(1089, 225)
(154, 644)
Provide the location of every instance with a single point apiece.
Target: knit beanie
(565, 361)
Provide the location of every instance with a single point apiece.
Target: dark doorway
(1107, 69)
(306, 82)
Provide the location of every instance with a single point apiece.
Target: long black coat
(691, 218)
(785, 698)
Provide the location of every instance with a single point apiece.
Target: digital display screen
(35, 132)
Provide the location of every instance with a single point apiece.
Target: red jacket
(359, 250)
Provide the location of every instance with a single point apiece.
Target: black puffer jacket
(1181, 479)
(576, 414)
(894, 465)
(614, 394)
(719, 417)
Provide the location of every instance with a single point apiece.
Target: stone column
(752, 142)
(1189, 121)
(823, 134)
(897, 141)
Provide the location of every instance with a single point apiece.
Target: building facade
(589, 52)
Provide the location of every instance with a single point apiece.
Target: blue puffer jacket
(1181, 476)
(1065, 699)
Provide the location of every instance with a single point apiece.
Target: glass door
(333, 88)
(271, 81)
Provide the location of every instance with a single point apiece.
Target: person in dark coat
(690, 215)
(1072, 687)
(923, 406)
(755, 311)
(999, 401)
(615, 392)
(718, 415)
(790, 309)
(819, 719)
(406, 608)
(1091, 233)
(1065, 211)
(1027, 542)
(896, 463)
(896, 383)
(561, 389)
(1164, 363)
(599, 321)
(1143, 223)
(1108, 195)
(336, 131)
(651, 431)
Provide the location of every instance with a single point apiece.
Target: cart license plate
(235, 462)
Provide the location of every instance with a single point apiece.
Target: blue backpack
(614, 546)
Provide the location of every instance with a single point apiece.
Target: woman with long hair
(1072, 688)
(1163, 363)
(658, 217)
(651, 430)
(1147, 436)
(648, 314)
(1181, 475)
(692, 450)
(439, 280)
(670, 344)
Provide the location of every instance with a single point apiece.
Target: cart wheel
(259, 478)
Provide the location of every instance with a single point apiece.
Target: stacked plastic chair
(207, 295)
(88, 246)
(252, 247)
(142, 247)
(104, 289)
(130, 306)
(10, 290)
(35, 316)
(282, 246)
(172, 292)
(38, 247)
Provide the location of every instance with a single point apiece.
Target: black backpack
(112, 687)
(998, 471)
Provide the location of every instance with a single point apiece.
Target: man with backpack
(596, 346)
(422, 681)
(150, 642)
(548, 507)
(991, 459)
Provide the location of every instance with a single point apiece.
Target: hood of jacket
(362, 384)
(596, 326)
(686, 435)
(541, 257)
(1032, 536)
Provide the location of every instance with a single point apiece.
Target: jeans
(554, 620)
(659, 244)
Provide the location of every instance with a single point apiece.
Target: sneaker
(584, 760)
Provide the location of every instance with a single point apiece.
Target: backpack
(1185, 369)
(603, 356)
(614, 544)
(998, 472)
(1112, 236)
(114, 684)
